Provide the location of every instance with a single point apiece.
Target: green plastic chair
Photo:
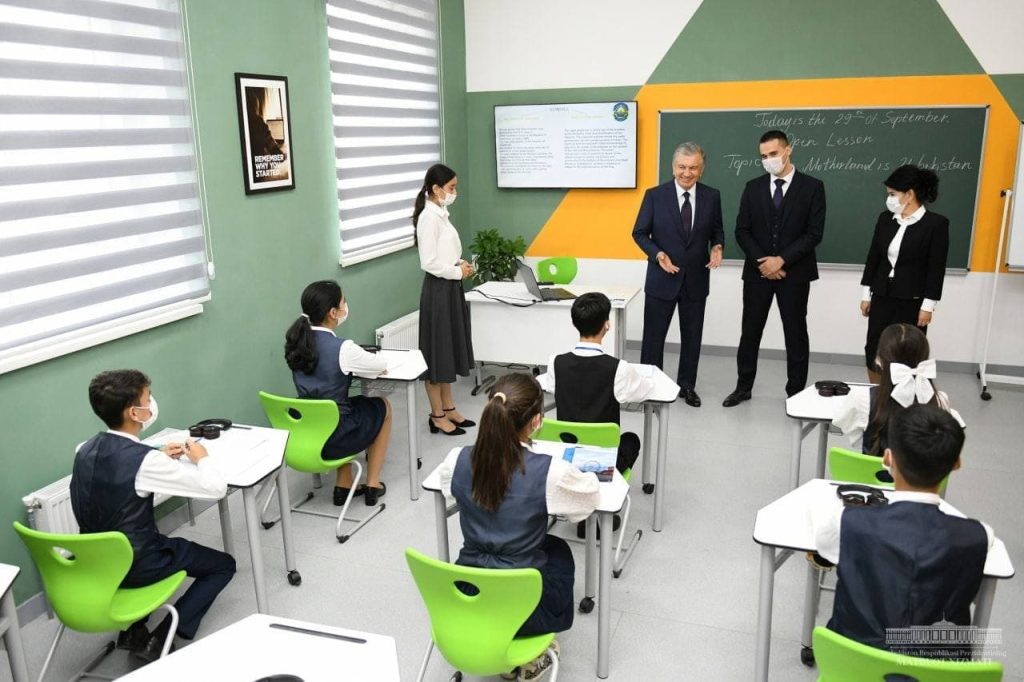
(602, 435)
(82, 577)
(477, 634)
(560, 270)
(841, 659)
(309, 424)
(856, 467)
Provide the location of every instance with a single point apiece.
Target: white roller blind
(101, 230)
(387, 128)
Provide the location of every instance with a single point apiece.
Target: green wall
(267, 248)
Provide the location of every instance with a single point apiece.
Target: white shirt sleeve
(928, 305)
(865, 294)
(827, 522)
(353, 358)
(433, 256)
(445, 473)
(853, 413)
(570, 492)
(630, 385)
(165, 475)
(548, 382)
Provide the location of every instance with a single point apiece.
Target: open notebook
(588, 458)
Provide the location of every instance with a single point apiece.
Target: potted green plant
(495, 256)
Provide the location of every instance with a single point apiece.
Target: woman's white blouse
(439, 244)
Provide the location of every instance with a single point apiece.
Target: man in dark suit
(780, 222)
(678, 223)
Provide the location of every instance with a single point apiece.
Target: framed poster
(264, 124)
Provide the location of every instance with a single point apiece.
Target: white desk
(598, 565)
(510, 326)
(404, 368)
(665, 393)
(9, 626)
(786, 525)
(260, 645)
(808, 411)
(245, 457)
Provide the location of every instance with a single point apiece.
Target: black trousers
(657, 318)
(791, 298)
(555, 611)
(884, 312)
(629, 451)
(212, 570)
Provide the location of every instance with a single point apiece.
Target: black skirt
(884, 312)
(357, 428)
(446, 340)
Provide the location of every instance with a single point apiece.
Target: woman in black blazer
(907, 259)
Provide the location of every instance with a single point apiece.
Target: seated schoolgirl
(506, 492)
(322, 364)
(907, 378)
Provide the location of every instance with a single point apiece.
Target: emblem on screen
(620, 112)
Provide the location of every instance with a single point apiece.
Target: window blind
(387, 123)
(101, 229)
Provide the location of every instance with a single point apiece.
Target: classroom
(222, 218)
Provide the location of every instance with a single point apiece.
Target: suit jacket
(803, 224)
(659, 227)
(921, 263)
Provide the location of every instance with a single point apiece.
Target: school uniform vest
(327, 382)
(510, 537)
(103, 495)
(775, 223)
(905, 564)
(585, 388)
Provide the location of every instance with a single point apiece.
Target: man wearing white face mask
(780, 222)
(112, 485)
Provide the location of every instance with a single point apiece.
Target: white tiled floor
(685, 608)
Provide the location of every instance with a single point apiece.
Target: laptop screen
(526, 273)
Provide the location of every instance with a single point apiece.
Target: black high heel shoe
(434, 428)
(465, 423)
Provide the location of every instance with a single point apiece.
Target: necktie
(686, 213)
(777, 196)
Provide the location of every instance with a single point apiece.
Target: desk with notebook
(808, 411)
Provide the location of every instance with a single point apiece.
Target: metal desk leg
(764, 613)
(225, 525)
(284, 501)
(252, 528)
(12, 638)
(812, 593)
(647, 454)
(620, 333)
(604, 602)
(822, 449)
(659, 476)
(797, 431)
(441, 521)
(590, 567)
(983, 602)
(414, 442)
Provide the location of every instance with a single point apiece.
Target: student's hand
(865, 308)
(716, 257)
(467, 269)
(666, 263)
(769, 265)
(195, 451)
(173, 450)
(924, 318)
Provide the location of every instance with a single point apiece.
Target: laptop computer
(545, 294)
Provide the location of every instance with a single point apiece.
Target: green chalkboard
(852, 151)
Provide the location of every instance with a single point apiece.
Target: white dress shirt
(568, 491)
(827, 520)
(353, 358)
(630, 385)
(854, 412)
(787, 181)
(893, 254)
(438, 242)
(693, 199)
(164, 475)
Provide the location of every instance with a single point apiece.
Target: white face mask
(345, 316)
(449, 199)
(773, 165)
(154, 412)
(892, 202)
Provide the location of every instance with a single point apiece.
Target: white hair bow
(909, 383)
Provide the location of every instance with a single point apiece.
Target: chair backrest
(840, 659)
(474, 633)
(604, 435)
(80, 574)
(560, 270)
(309, 424)
(855, 467)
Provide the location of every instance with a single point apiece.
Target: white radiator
(49, 508)
(401, 333)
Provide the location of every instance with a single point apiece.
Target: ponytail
(299, 341)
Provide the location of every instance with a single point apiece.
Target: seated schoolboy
(505, 494)
(907, 378)
(906, 563)
(112, 486)
(322, 364)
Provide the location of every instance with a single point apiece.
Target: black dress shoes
(735, 398)
(691, 397)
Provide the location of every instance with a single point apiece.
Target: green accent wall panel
(1012, 87)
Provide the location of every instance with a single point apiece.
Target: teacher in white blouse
(445, 338)
(906, 262)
